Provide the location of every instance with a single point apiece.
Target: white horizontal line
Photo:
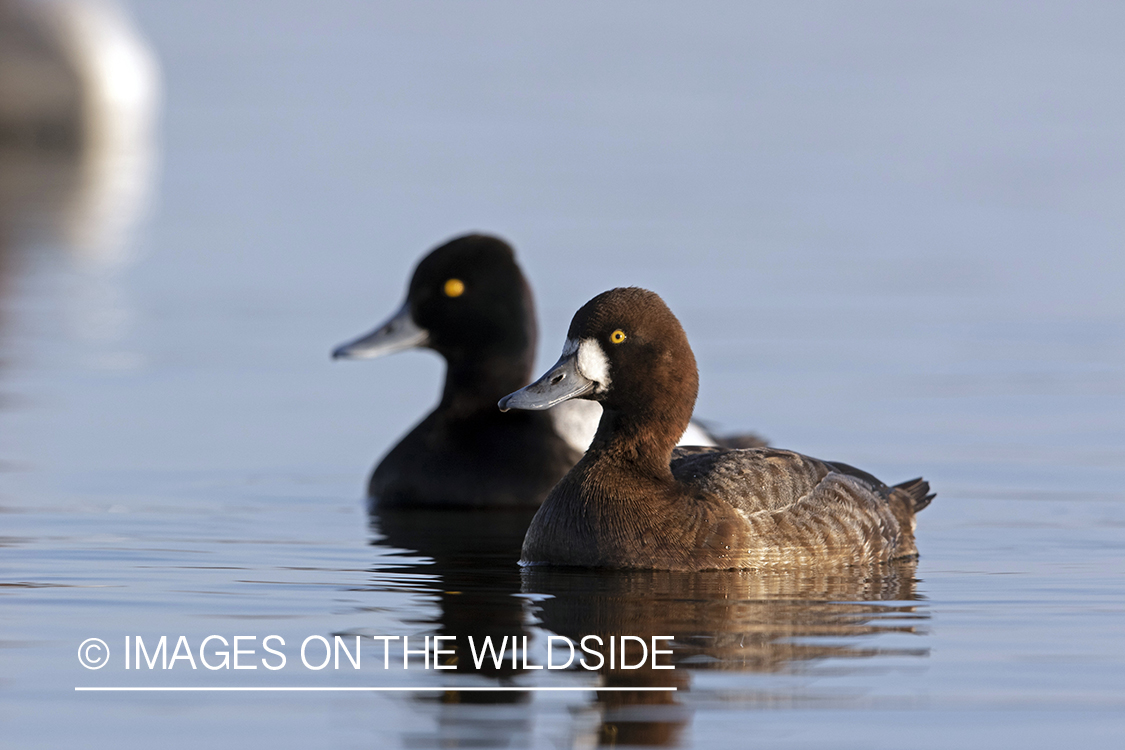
(474, 689)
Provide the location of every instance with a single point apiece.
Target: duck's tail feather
(918, 491)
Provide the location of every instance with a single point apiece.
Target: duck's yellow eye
(617, 336)
(454, 288)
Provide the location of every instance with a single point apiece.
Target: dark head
(468, 301)
(628, 351)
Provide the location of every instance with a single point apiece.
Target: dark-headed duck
(631, 502)
(469, 302)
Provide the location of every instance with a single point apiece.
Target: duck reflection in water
(754, 621)
(766, 622)
(472, 573)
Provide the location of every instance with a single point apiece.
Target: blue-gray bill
(397, 334)
(561, 383)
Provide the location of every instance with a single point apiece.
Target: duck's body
(478, 459)
(747, 508)
(632, 502)
(469, 301)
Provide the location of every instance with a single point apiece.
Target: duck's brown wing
(751, 479)
(801, 509)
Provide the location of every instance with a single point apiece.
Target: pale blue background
(894, 234)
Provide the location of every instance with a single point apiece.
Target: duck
(469, 301)
(635, 501)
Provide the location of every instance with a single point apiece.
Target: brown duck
(634, 501)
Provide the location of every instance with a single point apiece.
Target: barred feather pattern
(799, 510)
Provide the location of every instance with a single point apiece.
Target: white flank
(696, 435)
(576, 421)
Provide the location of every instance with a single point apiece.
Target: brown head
(626, 350)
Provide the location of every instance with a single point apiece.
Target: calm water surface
(894, 238)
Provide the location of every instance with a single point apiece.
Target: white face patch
(593, 364)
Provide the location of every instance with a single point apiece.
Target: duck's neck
(641, 446)
(474, 384)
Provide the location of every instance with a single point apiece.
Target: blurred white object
(79, 97)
